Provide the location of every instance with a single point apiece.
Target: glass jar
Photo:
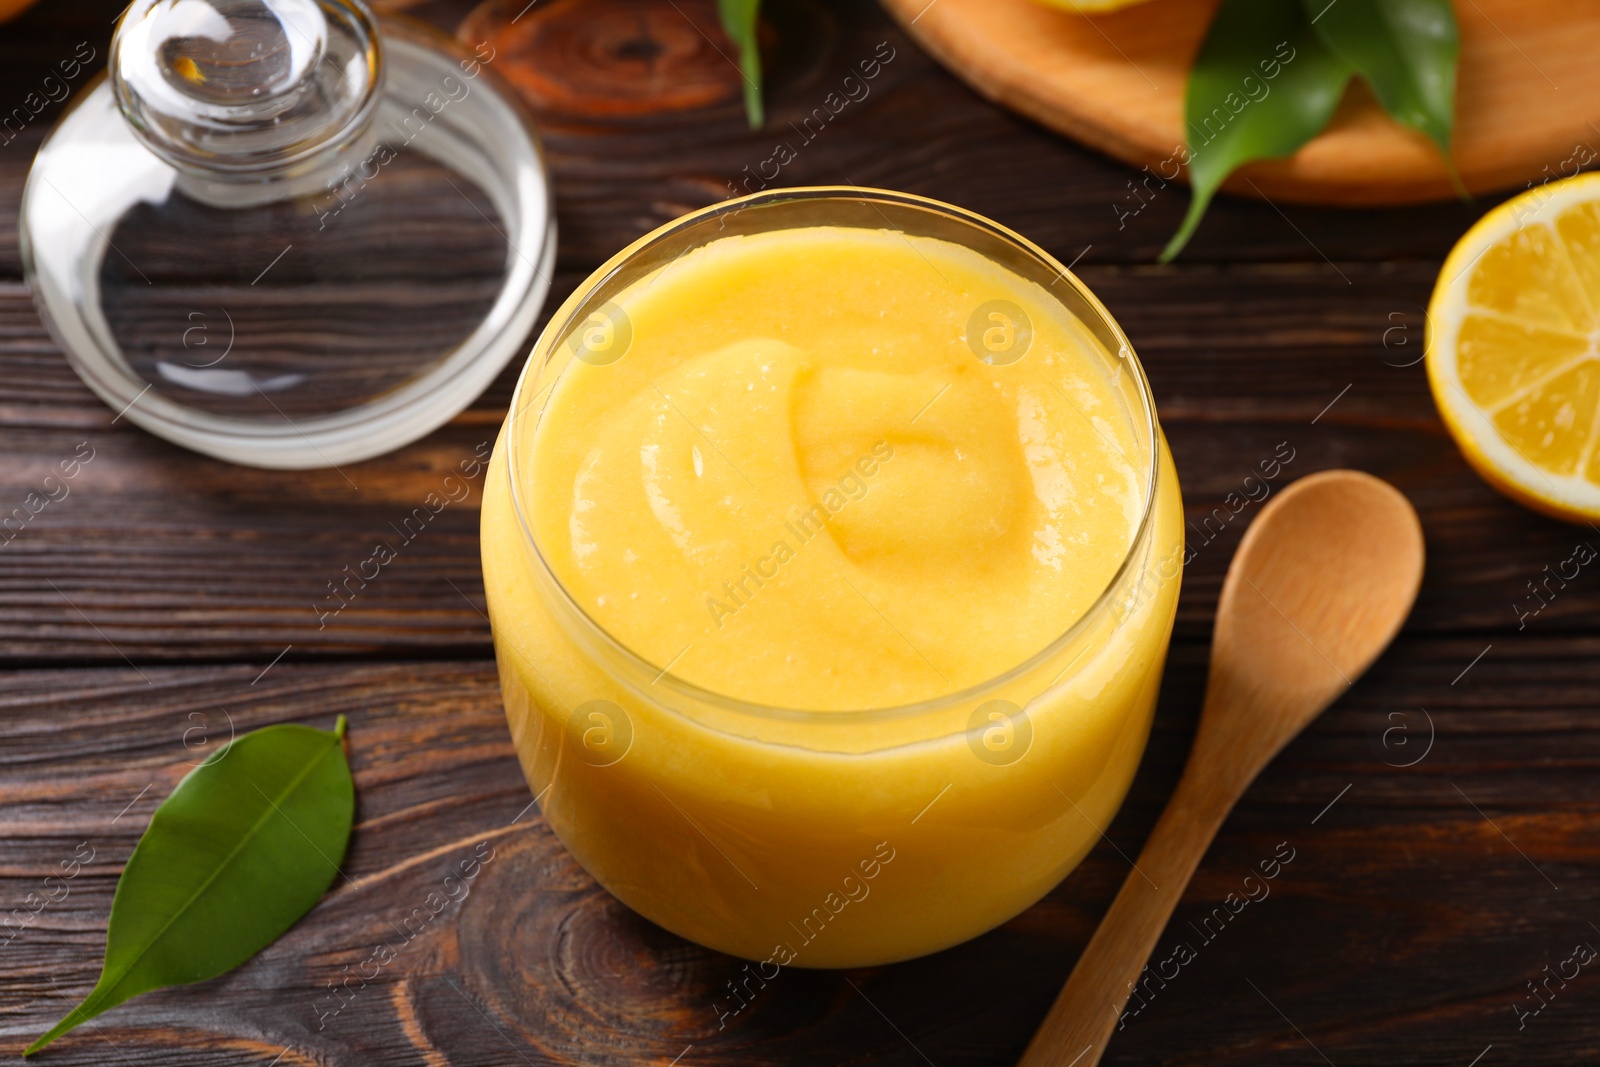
(849, 836)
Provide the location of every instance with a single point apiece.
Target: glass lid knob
(245, 88)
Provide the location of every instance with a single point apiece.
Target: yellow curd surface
(806, 478)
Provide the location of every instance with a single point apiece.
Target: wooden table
(1441, 816)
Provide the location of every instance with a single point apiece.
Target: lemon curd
(831, 558)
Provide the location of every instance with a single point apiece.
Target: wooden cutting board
(1528, 99)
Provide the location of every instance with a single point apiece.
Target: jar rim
(570, 314)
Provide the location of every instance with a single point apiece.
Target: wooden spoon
(1320, 585)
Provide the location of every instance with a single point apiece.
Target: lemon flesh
(1514, 347)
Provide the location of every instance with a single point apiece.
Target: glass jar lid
(286, 233)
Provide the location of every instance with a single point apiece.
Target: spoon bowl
(1320, 585)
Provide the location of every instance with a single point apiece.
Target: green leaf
(244, 846)
(739, 20)
(1263, 85)
(1407, 49)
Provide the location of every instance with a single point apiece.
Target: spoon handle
(1079, 1026)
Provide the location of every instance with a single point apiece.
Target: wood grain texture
(158, 554)
(1528, 93)
(1404, 930)
(917, 129)
(1404, 922)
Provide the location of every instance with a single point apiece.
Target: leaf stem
(741, 20)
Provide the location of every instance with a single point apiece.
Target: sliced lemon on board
(1514, 347)
(1090, 7)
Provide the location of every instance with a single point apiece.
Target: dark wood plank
(915, 129)
(158, 554)
(1414, 909)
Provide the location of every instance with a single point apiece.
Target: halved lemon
(1514, 347)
